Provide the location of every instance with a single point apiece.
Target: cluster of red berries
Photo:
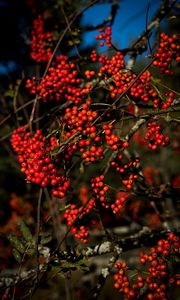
(170, 99)
(155, 137)
(80, 120)
(94, 56)
(34, 156)
(121, 81)
(89, 74)
(165, 247)
(167, 51)
(100, 190)
(126, 170)
(77, 119)
(141, 89)
(112, 139)
(122, 282)
(40, 49)
(111, 66)
(105, 36)
(158, 267)
(93, 154)
(61, 83)
(159, 274)
(122, 167)
(119, 203)
(73, 215)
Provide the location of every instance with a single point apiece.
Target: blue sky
(130, 20)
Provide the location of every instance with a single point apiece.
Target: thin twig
(38, 231)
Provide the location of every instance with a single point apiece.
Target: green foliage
(17, 243)
(25, 232)
(17, 255)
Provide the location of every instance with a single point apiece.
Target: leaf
(46, 239)
(30, 251)
(55, 131)
(70, 43)
(56, 270)
(25, 231)
(17, 244)
(172, 17)
(9, 93)
(156, 80)
(75, 265)
(82, 265)
(17, 255)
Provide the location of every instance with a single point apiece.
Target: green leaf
(25, 231)
(17, 244)
(56, 270)
(81, 264)
(75, 265)
(30, 251)
(17, 255)
(46, 239)
(70, 43)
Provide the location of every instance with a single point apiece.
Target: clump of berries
(127, 170)
(168, 50)
(40, 40)
(119, 202)
(158, 275)
(122, 282)
(80, 121)
(34, 156)
(100, 190)
(112, 140)
(105, 36)
(111, 65)
(155, 137)
(73, 217)
(61, 83)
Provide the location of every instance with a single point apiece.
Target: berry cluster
(94, 56)
(79, 120)
(159, 274)
(111, 66)
(155, 137)
(100, 190)
(126, 170)
(158, 269)
(73, 217)
(89, 74)
(167, 51)
(141, 89)
(122, 283)
(105, 36)
(61, 83)
(34, 156)
(121, 81)
(170, 99)
(93, 154)
(119, 202)
(113, 140)
(40, 51)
